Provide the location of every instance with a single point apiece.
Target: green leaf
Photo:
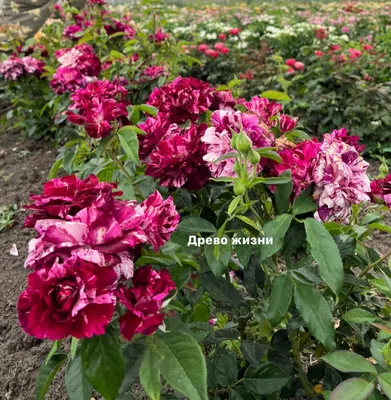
(150, 372)
(347, 361)
(134, 354)
(129, 142)
(253, 351)
(218, 255)
(279, 180)
(274, 95)
(385, 383)
(225, 367)
(316, 313)
(55, 167)
(46, 374)
(359, 316)
(233, 205)
(352, 389)
(325, 253)
(53, 350)
(265, 378)
(183, 365)
(74, 345)
(248, 221)
(221, 290)
(275, 229)
(196, 225)
(78, 387)
(304, 202)
(145, 108)
(376, 351)
(283, 193)
(272, 155)
(280, 298)
(103, 363)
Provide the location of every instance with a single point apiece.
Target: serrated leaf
(196, 225)
(304, 202)
(359, 316)
(316, 313)
(353, 389)
(129, 143)
(385, 383)
(76, 383)
(325, 253)
(274, 95)
(183, 364)
(280, 298)
(347, 361)
(218, 255)
(150, 372)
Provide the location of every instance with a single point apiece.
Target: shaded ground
(24, 166)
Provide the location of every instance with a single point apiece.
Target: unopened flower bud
(236, 167)
(383, 170)
(254, 157)
(239, 188)
(243, 143)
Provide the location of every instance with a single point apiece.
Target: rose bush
(202, 244)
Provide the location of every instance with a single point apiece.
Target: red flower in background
(75, 298)
(182, 99)
(144, 301)
(234, 31)
(381, 190)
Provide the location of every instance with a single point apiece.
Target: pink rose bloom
(368, 47)
(97, 106)
(345, 29)
(153, 72)
(14, 67)
(340, 178)
(299, 66)
(342, 134)
(143, 301)
(219, 45)
(354, 54)
(234, 31)
(202, 47)
(318, 53)
(263, 108)
(75, 298)
(287, 123)
(65, 197)
(300, 160)
(218, 139)
(290, 62)
(159, 37)
(178, 158)
(223, 100)
(335, 47)
(161, 219)
(118, 26)
(182, 99)
(71, 30)
(381, 190)
(67, 79)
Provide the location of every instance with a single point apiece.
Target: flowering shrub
(200, 234)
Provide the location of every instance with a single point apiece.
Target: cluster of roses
(353, 54)
(14, 67)
(294, 66)
(82, 260)
(79, 66)
(218, 48)
(97, 106)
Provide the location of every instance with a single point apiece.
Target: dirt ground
(24, 166)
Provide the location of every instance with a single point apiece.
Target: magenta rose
(144, 301)
(67, 79)
(70, 299)
(65, 197)
(182, 99)
(161, 219)
(381, 190)
(287, 123)
(178, 159)
(263, 108)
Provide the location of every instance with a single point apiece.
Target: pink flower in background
(342, 134)
(340, 178)
(203, 47)
(367, 47)
(222, 36)
(345, 29)
(263, 108)
(234, 31)
(223, 100)
(161, 219)
(97, 106)
(319, 53)
(99, 2)
(299, 66)
(116, 26)
(75, 298)
(290, 62)
(153, 72)
(71, 31)
(67, 79)
(177, 160)
(14, 67)
(182, 99)
(65, 197)
(143, 301)
(354, 54)
(159, 36)
(335, 47)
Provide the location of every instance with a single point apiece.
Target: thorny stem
(302, 375)
(372, 265)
